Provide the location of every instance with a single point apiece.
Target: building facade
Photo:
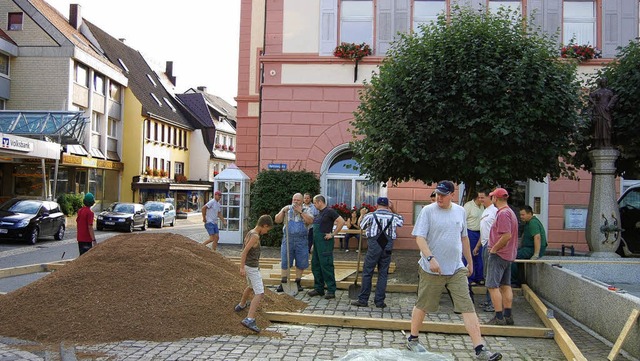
(295, 99)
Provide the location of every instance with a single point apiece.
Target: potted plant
(580, 52)
(163, 173)
(342, 209)
(181, 178)
(352, 51)
(156, 172)
(224, 147)
(231, 148)
(148, 171)
(217, 146)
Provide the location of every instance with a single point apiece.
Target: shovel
(355, 288)
(290, 288)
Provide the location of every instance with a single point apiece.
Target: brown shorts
(432, 286)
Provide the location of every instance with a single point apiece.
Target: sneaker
(359, 304)
(280, 289)
(300, 289)
(483, 304)
(489, 308)
(497, 322)
(415, 346)
(508, 320)
(329, 296)
(250, 324)
(239, 308)
(346, 250)
(488, 355)
(381, 305)
(314, 293)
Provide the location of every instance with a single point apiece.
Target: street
(18, 253)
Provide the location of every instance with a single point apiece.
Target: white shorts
(254, 279)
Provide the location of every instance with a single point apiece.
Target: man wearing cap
(295, 232)
(86, 237)
(211, 212)
(482, 248)
(380, 227)
(503, 245)
(474, 209)
(441, 235)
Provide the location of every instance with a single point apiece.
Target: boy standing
(211, 212)
(250, 268)
(86, 237)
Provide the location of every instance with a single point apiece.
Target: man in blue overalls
(295, 231)
(322, 255)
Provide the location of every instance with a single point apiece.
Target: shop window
(14, 21)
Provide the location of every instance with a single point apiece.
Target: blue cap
(383, 201)
(445, 187)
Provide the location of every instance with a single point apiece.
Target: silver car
(160, 213)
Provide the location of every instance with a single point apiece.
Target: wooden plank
(575, 261)
(22, 270)
(566, 344)
(623, 335)
(397, 325)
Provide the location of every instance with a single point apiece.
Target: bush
(273, 190)
(70, 203)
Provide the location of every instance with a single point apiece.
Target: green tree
(477, 98)
(273, 190)
(624, 79)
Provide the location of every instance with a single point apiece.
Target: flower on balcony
(342, 209)
(163, 173)
(580, 52)
(352, 51)
(148, 171)
(224, 147)
(156, 172)
(217, 146)
(231, 148)
(215, 173)
(181, 178)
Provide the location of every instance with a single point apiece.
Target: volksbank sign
(17, 143)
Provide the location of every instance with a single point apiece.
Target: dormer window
(123, 65)
(169, 103)
(152, 81)
(15, 21)
(156, 99)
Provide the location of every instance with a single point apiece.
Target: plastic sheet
(391, 354)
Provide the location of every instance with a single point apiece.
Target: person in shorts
(250, 268)
(211, 212)
(503, 247)
(441, 235)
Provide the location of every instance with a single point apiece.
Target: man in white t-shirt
(441, 235)
(211, 212)
(487, 219)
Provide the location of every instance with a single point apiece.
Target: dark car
(123, 216)
(160, 213)
(629, 204)
(29, 220)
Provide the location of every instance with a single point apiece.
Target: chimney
(202, 89)
(122, 40)
(75, 16)
(169, 72)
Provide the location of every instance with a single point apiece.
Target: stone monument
(603, 217)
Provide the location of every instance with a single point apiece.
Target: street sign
(277, 166)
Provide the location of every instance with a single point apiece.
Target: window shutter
(619, 25)
(328, 26)
(548, 16)
(392, 17)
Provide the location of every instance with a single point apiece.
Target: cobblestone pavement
(331, 343)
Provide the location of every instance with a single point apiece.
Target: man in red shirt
(503, 246)
(86, 237)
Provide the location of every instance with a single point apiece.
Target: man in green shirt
(534, 241)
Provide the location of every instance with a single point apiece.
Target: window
(152, 81)
(179, 168)
(184, 134)
(147, 162)
(98, 83)
(96, 122)
(168, 168)
(3, 104)
(114, 92)
(161, 163)
(579, 22)
(148, 129)
(4, 64)
(112, 127)
(15, 21)
(169, 103)
(427, 11)
(510, 5)
(356, 21)
(155, 163)
(345, 184)
(180, 138)
(155, 131)
(162, 134)
(175, 136)
(124, 66)
(82, 75)
(156, 99)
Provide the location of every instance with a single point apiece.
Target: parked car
(30, 220)
(123, 216)
(629, 204)
(160, 213)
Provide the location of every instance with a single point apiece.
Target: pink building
(295, 99)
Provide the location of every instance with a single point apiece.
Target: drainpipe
(264, 42)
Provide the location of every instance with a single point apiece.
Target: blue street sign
(277, 166)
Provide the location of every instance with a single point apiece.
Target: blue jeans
(376, 256)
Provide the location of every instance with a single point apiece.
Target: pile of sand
(157, 287)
